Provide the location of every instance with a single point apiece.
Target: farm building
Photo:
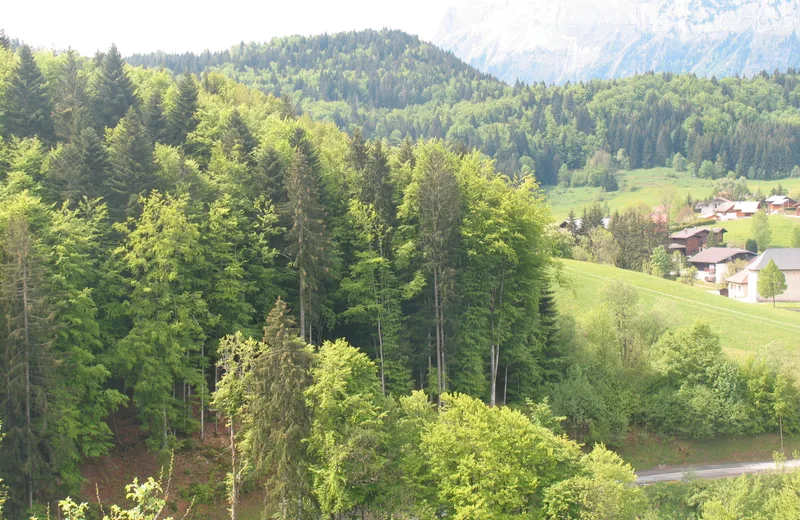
(780, 204)
(744, 284)
(737, 210)
(693, 240)
(712, 263)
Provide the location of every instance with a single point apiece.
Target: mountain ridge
(553, 42)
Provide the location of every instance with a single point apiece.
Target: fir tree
(281, 420)
(310, 247)
(5, 41)
(71, 112)
(238, 136)
(130, 166)
(182, 118)
(28, 106)
(153, 117)
(114, 94)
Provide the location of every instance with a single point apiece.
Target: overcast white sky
(181, 25)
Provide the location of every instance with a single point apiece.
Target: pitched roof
(747, 206)
(739, 278)
(779, 200)
(718, 255)
(690, 232)
(787, 259)
(724, 208)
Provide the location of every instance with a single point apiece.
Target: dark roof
(787, 259)
(690, 232)
(718, 255)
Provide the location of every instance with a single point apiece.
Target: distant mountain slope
(391, 86)
(379, 69)
(556, 41)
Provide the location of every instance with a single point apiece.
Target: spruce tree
(114, 90)
(182, 119)
(281, 420)
(71, 112)
(153, 116)
(238, 136)
(95, 161)
(310, 247)
(130, 166)
(27, 358)
(5, 41)
(28, 105)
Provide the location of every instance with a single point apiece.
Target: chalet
(707, 208)
(736, 210)
(712, 263)
(744, 284)
(780, 204)
(693, 240)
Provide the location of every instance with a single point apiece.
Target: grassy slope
(740, 230)
(638, 186)
(744, 328)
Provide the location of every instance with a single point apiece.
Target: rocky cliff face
(568, 40)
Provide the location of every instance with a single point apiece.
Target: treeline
(145, 217)
(390, 85)
(632, 373)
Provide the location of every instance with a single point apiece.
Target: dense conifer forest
(391, 85)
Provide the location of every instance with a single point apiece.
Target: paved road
(651, 476)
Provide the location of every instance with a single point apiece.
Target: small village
(701, 252)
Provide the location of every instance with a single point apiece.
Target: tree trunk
(234, 474)
(780, 427)
(27, 346)
(505, 386)
(438, 337)
(203, 392)
(380, 355)
(495, 351)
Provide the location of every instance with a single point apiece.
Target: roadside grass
(740, 230)
(744, 329)
(644, 186)
(646, 451)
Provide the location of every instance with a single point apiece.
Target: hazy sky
(149, 25)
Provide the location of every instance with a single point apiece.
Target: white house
(744, 284)
(712, 263)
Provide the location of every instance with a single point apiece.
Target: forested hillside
(146, 217)
(391, 85)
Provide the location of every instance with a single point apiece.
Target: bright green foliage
(114, 94)
(374, 295)
(771, 281)
(348, 434)
(432, 209)
(27, 105)
(794, 237)
(503, 236)
(601, 490)
(493, 462)
(232, 396)
(280, 419)
(182, 118)
(660, 263)
(163, 347)
(761, 231)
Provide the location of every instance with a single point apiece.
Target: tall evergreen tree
(72, 111)
(310, 246)
(5, 41)
(238, 136)
(153, 116)
(281, 420)
(114, 94)
(28, 360)
(28, 105)
(182, 118)
(130, 166)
